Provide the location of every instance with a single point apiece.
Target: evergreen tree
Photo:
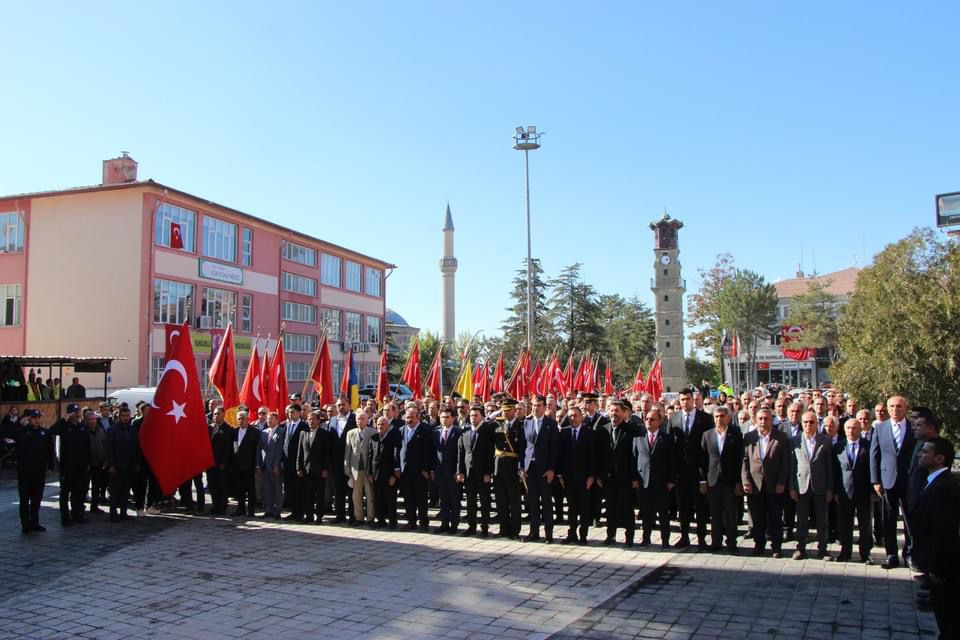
(515, 326)
(817, 311)
(574, 314)
(630, 335)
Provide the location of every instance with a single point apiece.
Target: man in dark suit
(246, 441)
(539, 451)
(292, 483)
(935, 522)
(687, 427)
(340, 424)
(890, 451)
(576, 470)
(446, 442)
(74, 465)
(218, 478)
(383, 454)
(925, 426)
(417, 457)
(475, 469)
(766, 469)
(811, 483)
(313, 466)
(721, 457)
(657, 473)
(594, 421)
(853, 491)
(617, 470)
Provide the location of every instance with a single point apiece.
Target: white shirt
(933, 476)
(764, 443)
(341, 423)
(809, 444)
(721, 437)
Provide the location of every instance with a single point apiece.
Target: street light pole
(528, 140)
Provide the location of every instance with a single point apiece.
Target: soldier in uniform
(506, 469)
(34, 461)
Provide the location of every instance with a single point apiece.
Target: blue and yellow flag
(350, 383)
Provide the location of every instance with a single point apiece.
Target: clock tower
(668, 288)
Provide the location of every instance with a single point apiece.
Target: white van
(132, 396)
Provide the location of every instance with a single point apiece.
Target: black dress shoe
(582, 542)
(424, 529)
(289, 516)
(442, 529)
(682, 543)
(608, 541)
(66, 523)
(644, 543)
(469, 531)
(80, 520)
(39, 528)
(628, 544)
(548, 540)
(410, 526)
(569, 540)
(531, 539)
(484, 534)
(25, 530)
(890, 563)
(844, 557)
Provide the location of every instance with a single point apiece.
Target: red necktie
(653, 439)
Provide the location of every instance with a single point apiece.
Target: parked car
(131, 396)
(399, 391)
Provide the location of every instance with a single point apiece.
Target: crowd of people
(816, 469)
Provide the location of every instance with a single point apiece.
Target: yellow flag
(465, 385)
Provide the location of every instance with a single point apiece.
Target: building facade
(668, 289)
(98, 270)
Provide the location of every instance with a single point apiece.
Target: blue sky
(759, 124)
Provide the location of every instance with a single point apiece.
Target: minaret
(668, 288)
(448, 267)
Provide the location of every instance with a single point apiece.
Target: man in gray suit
(890, 450)
(766, 468)
(270, 465)
(811, 483)
(355, 465)
(721, 454)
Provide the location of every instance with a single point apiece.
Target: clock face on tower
(664, 259)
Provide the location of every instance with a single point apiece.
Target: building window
(157, 363)
(217, 308)
(299, 284)
(666, 298)
(665, 272)
(373, 330)
(668, 344)
(353, 276)
(353, 327)
(776, 339)
(204, 376)
(246, 313)
(297, 370)
(298, 253)
(11, 232)
(171, 301)
(329, 270)
(299, 343)
(167, 214)
(374, 282)
(246, 247)
(337, 375)
(331, 318)
(10, 312)
(667, 322)
(296, 312)
(219, 239)
(242, 365)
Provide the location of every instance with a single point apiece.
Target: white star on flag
(177, 411)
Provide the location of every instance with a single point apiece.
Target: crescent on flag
(174, 334)
(256, 388)
(174, 365)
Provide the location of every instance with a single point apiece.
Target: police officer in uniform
(74, 466)
(506, 470)
(34, 461)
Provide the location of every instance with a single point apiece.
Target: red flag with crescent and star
(251, 394)
(176, 237)
(171, 333)
(174, 435)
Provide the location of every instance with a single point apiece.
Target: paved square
(178, 576)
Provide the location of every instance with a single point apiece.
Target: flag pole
(463, 359)
(316, 356)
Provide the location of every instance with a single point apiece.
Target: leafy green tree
(698, 371)
(747, 304)
(630, 335)
(574, 313)
(817, 311)
(898, 333)
(703, 308)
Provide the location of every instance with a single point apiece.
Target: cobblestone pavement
(180, 576)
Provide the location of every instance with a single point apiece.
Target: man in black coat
(383, 454)
(721, 457)
(122, 456)
(656, 473)
(935, 523)
(340, 423)
(74, 465)
(446, 441)
(617, 473)
(292, 483)
(687, 427)
(313, 466)
(539, 452)
(854, 493)
(218, 479)
(246, 440)
(35, 458)
(576, 469)
(417, 460)
(475, 469)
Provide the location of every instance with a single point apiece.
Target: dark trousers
(219, 488)
(558, 493)
(474, 488)
(724, 504)
(413, 486)
(146, 491)
(596, 503)
(73, 492)
(579, 509)
(766, 513)
(655, 512)
(789, 514)
(385, 500)
(539, 504)
(945, 600)
(186, 492)
(246, 491)
(620, 513)
(815, 503)
(449, 492)
(342, 493)
(30, 488)
(893, 504)
(506, 486)
(314, 492)
(862, 508)
(99, 479)
(876, 505)
(120, 491)
(691, 505)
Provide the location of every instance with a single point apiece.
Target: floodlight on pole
(528, 141)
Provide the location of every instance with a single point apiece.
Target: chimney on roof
(800, 272)
(119, 170)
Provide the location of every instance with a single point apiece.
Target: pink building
(91, 271)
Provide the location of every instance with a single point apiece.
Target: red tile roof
(839, 283)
